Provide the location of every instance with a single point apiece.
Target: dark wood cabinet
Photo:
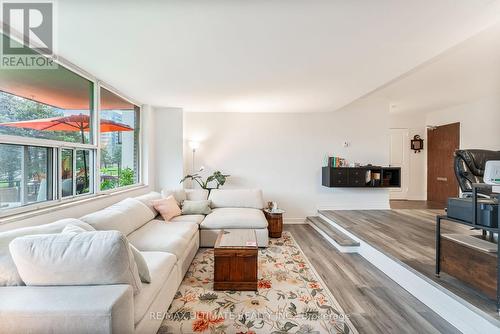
(367, 177)
(236, 260)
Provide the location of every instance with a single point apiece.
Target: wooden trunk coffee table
(235, 260)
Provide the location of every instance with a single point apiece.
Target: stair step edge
(338, 236)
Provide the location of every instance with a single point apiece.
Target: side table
(275, 222)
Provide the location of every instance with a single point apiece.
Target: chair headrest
(476, 159)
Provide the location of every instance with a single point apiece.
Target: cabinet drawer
(339, 177)
(357, 177)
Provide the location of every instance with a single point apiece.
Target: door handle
(443, 179)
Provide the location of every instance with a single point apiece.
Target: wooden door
(441, 180)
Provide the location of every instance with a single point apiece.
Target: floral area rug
(291, 298)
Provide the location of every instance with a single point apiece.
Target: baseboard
(294, 221)
(464, 316)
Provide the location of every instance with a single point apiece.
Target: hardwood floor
(404, 204)
(374, 303)
(409, 236)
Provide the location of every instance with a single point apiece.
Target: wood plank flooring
(374, 303)
(409, 236)
(404, 204)
(336, 235)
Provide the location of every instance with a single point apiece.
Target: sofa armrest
(67, 309)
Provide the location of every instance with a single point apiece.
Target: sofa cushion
(8, 270)
(161, 236)
(87, 258)
(125, 216)
(160, 265)
(236, 198)
(178, 194)
(234, 218)
(196, 194)
(189, 218)
(148, 199)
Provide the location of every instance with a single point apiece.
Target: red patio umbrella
(75, 123)
(68, 123)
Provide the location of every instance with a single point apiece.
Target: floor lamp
(194, 146)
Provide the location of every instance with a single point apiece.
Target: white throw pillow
(87, 258)
(8, 271)
(142, 266)
(70, 228)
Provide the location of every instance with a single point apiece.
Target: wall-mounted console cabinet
(367, 177)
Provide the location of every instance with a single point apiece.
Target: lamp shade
(194, 144)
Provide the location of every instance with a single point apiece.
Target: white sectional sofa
(234, 209)
(167, 247)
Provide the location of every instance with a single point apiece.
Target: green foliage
(216, 177)
(117, 177)
(126, 177)
(107, 184)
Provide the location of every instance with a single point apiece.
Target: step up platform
(337, 238)
(464, 316)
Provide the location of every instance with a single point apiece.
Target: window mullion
(59, 173)
(73, 172)
(97, 138)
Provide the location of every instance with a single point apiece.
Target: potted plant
(216, 177)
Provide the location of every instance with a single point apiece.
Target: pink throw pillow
(167, 207)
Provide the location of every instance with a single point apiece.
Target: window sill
(65, 204)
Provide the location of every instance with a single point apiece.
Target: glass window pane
(46, 103)
(119, 131)
(67, 172)
(25, 175)
(83, 178)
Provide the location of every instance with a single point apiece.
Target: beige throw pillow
(167, 207)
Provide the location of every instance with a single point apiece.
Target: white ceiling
(261, 56)
(464, 73)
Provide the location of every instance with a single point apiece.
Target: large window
(49, 145)
(26, 174)
(119, 134)
(51, 104)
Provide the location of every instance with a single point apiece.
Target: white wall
(417, 168)
(74, 210)
(168, 156)
(283, 153)
(479, 122)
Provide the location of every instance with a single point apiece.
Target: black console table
(366, 176)
(475, 225)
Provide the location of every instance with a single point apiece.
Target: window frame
(94, 147)
(140, 179)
